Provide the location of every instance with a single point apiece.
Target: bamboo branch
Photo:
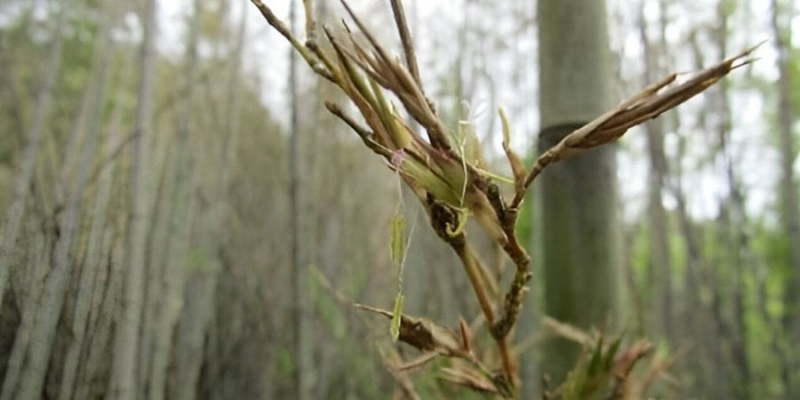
(647, 104)
(450, 187)
(400, 81)
(304, 51)
(311, 24)
(405, 38)
(442, 220)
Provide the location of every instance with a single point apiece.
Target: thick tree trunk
(581, 239)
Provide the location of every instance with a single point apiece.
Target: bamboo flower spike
(647, 104)
(449, 179)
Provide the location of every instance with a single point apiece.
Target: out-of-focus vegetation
(167, 272)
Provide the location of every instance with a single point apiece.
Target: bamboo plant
(453, 184)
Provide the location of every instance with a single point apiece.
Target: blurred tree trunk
(732, 222)
(168, 269)
(782, 33)
(37, 266)
(41, 345)
(16, 211)
(86, 273)
(106, 272)
(579, 199)
(693, 312)
(699, 324)
(660, 259)
(36, 347)
(214, 366)
(125, 371)
(301, 333)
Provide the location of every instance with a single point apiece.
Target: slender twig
(418, 362)
(473, 269)
(304, 51)
(405, 38)
(514, 298)
(442, 218)
(405, 87)
(362, 132)
(647, 104)
(311, 24)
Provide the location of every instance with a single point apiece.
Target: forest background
(159, 135)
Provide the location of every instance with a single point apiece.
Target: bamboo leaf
(399, 137)
(597, 358)
(612, 352)
(465, 335)
(398, 240)
(422, 175)
(506, 128)
(517, 168)
(397, 317)
(469, 145)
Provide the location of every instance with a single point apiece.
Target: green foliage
(397, 313)
(590, 378)
(771, 244)
(794, 72)
(285, 363)
(398, 249)
(525, 222)
(200, 259)
(398, 241)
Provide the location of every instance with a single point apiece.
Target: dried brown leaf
(405, 38)
(418, 362)
(466, 335)
(469, 378)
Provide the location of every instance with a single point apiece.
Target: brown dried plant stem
(441, 219)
